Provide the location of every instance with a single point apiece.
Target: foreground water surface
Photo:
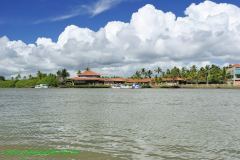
(145, 124)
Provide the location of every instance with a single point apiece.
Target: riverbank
(54, 84)
(210, 86)
(199, 86)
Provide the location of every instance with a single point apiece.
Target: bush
(2, 78)
(146, 86)
(169, 86)
(49, 80)
(7, 84)
(26, 83)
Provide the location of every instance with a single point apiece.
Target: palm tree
(29, 76)
(207, 68)
(79, 72)
(158, 70)
(149, 73)
(143, 72)
(62, 74)
(65, 73)
(137, 74)
(18, 77)
(225, 75)
(194, 74)
(2, 78)
(175, 73)
(39, 74)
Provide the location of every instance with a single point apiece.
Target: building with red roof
(89, 77)
(89, 73)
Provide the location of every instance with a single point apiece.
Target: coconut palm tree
(149, 73)
(30, 76)
(143, 72)
(137, 74)
(62, 74)
(18, 77)
(158, 70)
(79, 72)
(2, 78)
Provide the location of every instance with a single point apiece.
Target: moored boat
(136, 86)
(41, 86)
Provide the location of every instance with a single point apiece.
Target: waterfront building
(174, 81)
(139, 81)
(89, 77)
(111, 81)
(234, 71)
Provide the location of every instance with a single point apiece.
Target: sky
(116, 37)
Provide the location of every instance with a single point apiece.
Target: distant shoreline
(153, 87)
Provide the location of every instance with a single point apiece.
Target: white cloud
(208, 33)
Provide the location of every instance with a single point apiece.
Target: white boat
(136, 86)
(125, 87)
(41, 86)
(116, 86)
(121, 86)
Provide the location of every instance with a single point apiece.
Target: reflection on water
(145, 124)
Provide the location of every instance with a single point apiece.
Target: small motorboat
(41, 86)
(121, 86)
(136, 86)
(116, 86)
(125, 87)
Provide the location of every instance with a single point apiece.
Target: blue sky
(27, 20)
(48, 35)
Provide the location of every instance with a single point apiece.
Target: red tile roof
(145, 80)
(173, 79)
(89, 73)
(114, 79)
(235, 65)
(86, 79)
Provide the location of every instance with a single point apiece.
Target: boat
(136, 86)
(121, 86)
(115, 86)
(125, 87)
(41, 86)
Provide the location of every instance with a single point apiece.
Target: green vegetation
(2, 78)
(209, 74)
(52, 80)
(26, 83)
(7, 84)
(49, 80)
(205, 75)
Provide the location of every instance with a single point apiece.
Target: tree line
(208, 74)
(53, 80)
(211, 74)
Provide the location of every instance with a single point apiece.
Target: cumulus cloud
(208, 33)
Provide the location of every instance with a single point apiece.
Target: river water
(144, 124)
